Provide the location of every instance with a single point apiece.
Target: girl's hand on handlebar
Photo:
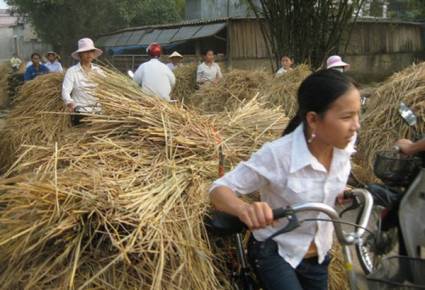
(256, 215)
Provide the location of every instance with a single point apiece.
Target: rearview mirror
(130, 74)
(407, 114)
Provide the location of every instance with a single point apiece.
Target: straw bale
(36, 118)
(236, 87)
(382, 124)
(185, 82)
(282, 90)
(5, 71)
(120, 203)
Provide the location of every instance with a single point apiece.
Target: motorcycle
(397, 220)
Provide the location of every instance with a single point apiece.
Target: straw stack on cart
(236, 87)
(118, 203)
(282, 90)
(382, 124)
(37, 118)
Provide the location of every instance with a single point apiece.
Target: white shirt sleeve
(172, 79)
(199, 73)
(219, 74)
(138, 75)
(67, 87)
(250, 176)
(60, 68)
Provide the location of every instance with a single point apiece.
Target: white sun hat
(85, 44)
(335, 61)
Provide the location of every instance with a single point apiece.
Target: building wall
(28, 42)
(17, 37)
(208, 9)
(375, 50)
(6, 43)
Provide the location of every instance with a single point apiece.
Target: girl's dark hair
(205, 52)
(35, 54)
(317, 93)
(288, 56)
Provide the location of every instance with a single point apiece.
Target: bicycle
(224, 224)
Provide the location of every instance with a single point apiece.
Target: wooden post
(198, 49)
(229, 44)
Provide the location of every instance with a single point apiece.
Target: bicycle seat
(223, 224)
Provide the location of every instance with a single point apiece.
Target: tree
(158, 12)
(407, 9)
(61, 23)
(308, 30)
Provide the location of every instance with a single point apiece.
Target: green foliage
(157, 12)
(308, 30)
(61, 23)
(407, 9)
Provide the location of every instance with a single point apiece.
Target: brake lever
(354, 205)
(292, 225)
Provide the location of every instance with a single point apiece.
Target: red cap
(154, 50)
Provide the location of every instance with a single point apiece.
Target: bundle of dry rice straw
(185, 82)
(37, 118)
(236, 87)
(5, 70)
(118, 203)
(282, 90)
(382, 124)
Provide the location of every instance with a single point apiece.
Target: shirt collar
(301, 156)
(81, 68)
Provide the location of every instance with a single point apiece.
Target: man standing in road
(154, 76)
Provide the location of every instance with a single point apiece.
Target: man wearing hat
(176, 59)
(154, 76)
(77, 85)
(335, 62)
(52, 62)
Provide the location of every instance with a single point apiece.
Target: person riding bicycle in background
(310, 163)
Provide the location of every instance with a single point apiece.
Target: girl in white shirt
(310, 163)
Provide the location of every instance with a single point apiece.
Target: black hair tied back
(317, 93)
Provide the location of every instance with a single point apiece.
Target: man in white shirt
(208, 71)
(154, 76)
(52, 62)
(176, 59)
(77, 85)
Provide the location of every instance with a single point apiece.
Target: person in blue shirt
(36, 69)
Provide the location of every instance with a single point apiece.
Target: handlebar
(343, 238)
(230, 224)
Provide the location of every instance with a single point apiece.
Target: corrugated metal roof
(147, 35)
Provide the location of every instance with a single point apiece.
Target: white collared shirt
(286, 173)
(281, 72)
(76, 88)
(156, 78)
(208, 73)
(54, 66)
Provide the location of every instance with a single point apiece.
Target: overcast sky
(2, 4)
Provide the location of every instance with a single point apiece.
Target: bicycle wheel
(377, 244)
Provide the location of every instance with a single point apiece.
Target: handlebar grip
(281, 212)
(348, 195)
